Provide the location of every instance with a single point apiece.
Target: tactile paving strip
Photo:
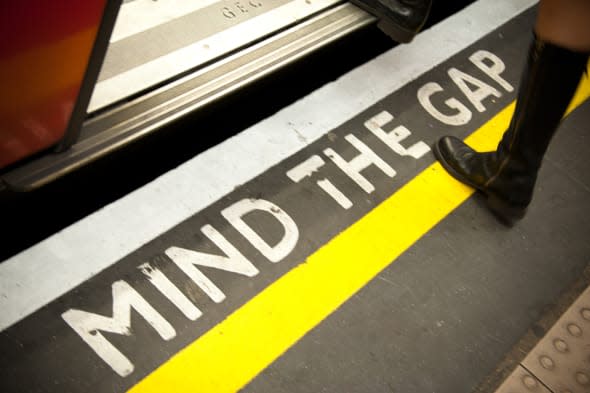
(561, 360)
(521, 381)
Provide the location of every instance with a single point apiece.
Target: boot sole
(391, 29)
(507, 213)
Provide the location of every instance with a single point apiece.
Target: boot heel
(389, 26)
(509, 214)
(395, 32)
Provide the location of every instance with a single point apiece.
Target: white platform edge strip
(47, 270)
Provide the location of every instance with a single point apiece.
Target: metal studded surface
(561, 360)
(521, 381)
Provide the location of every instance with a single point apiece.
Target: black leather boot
(507, 176)
(399, 19)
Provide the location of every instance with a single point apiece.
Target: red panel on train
(44, 52)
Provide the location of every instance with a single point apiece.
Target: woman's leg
(565, 23)
(556, 61)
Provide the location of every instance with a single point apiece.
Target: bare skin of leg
(565, 23)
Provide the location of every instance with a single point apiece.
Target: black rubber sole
(505, 212)
(391, 29)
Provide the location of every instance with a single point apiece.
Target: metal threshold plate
(153, 42)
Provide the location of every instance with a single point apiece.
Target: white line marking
(37, 276)
(141, 15)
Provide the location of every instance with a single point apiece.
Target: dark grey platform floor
(447, 312)
(440, 319)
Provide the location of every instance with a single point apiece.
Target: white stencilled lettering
(461, 115)
(494, 70)
(234, 261)
(157, 278)
(307, 168)
(359, 163)
(89, 325)
(395, 136)
(486, 61)
(234, 213)
(483, 91)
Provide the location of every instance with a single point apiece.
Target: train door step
(154, 42)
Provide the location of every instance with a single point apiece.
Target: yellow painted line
(232, 353)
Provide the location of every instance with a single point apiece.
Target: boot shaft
(507, 176)
(547, 85)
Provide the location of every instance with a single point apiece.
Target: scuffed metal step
(155, 41)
